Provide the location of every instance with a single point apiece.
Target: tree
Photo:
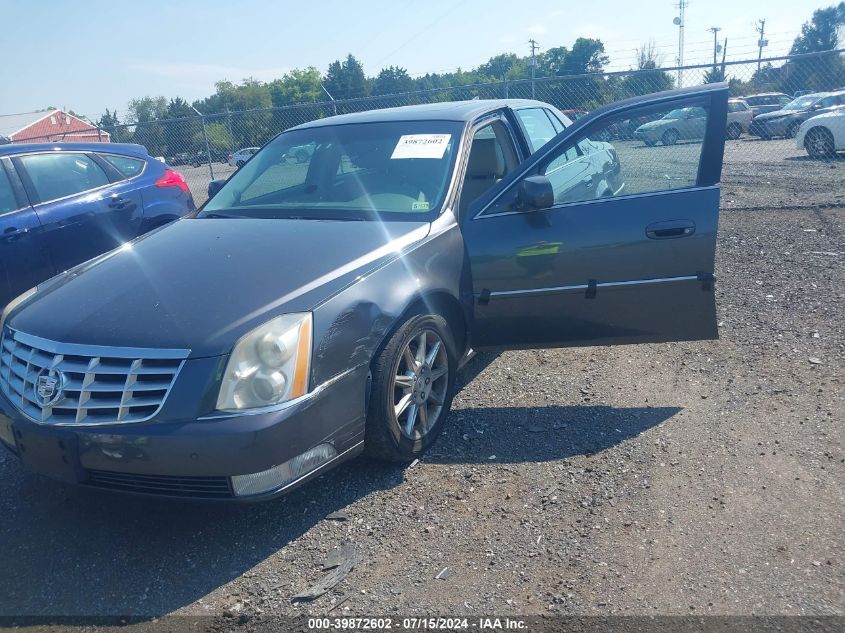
(298, 86)
(392, 80)
(820, 34)
(147, 109)
(586, 56)
(504, 66)
(144, 113)
(346, 79)
(647, 78)
(184, 133)
(714, 75)
(109, 122)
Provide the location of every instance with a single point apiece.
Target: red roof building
(49, 126)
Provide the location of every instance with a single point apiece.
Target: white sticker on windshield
(421, 146)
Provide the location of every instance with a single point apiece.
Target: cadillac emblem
(49, 386)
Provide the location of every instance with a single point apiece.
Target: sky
(89, 55)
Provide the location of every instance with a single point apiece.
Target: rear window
(128, 167)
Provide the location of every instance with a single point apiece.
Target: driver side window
(491, 158)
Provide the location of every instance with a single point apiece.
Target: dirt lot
(702, 478)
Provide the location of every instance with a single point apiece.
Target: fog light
(278, 476)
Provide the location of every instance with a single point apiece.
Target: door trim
(603, 284)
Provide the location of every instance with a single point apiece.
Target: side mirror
(214, 186)
(535, 193)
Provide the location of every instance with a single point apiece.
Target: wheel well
(449, 308)
(819, 129)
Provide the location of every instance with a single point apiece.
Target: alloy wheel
(818, 144)
(421, 378)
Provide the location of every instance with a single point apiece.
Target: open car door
(600, 238)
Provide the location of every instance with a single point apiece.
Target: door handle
(13, 234)
(670, 229)
(117, 202)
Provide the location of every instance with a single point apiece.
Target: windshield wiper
(226, 216)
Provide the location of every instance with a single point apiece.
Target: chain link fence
(766, 166)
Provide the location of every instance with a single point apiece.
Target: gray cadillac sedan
(317, 308)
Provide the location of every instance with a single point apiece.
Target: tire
(670, 137)
(422, 405)
(792, 130)
(240, 164)
(734, 131)
(650, 143)
(819, 143)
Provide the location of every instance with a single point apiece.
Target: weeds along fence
(203, 146)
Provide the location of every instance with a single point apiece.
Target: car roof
(113, 148)
(461, 111)
(766, 94)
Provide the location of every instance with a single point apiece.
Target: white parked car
(241, 156)
(822, 135)
(739, 117)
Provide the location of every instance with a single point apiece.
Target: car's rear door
(84, 208)
(629, 262)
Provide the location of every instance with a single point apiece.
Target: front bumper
(769, 127)
(651, 136)
(194, 458)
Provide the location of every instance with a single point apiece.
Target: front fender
(350, 326)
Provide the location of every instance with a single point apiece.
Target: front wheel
(240, 164)
(413, 382)
(819, 143)
(670, 137)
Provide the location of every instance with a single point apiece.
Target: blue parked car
(64, 203)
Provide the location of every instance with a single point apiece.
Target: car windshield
(801, 103)
(397, 170)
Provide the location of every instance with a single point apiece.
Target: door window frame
(21, 198)
(484, 120)
(710, 156)
(30, 188)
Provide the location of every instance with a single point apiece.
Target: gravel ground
(702, 478)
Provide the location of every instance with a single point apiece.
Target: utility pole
(205, 136)
(715, 30)
(679, 21)
(761, 29)
(534, 47)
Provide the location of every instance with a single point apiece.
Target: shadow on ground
(70, 551)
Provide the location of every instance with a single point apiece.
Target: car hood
(200, 284)
(778, 114)
(836, 113)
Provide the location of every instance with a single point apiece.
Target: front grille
(196, 487)
(63, 384)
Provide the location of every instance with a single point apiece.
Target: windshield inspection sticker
(421, 146)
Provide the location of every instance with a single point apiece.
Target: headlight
(269, 365)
